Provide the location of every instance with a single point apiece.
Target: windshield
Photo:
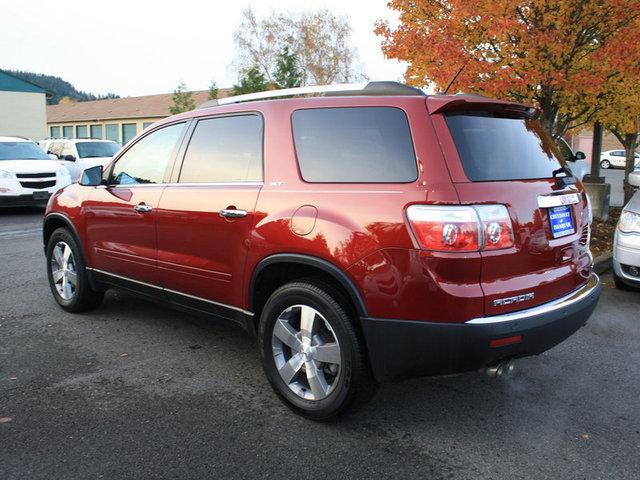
(21, 151)
(494, 148)
(97, 149)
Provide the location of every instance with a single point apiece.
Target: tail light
(461, 228)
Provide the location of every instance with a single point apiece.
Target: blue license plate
(561, 221)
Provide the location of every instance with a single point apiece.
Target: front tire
(312, 354)
(605, 164)
(66, 270)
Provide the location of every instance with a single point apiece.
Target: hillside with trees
(58, 87)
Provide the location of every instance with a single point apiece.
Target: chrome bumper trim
(557, 304)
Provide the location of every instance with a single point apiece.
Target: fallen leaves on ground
(602, 233)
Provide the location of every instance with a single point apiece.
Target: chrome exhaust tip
(501, 369)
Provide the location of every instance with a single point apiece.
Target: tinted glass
(67, 132)
(81, 131)
(55, 132)
(21, 151)
(565, 150)
(225, 149)
(129, 130)
(147, 160)
(96, 131)
(341, 145)
(111, 131)
(498, 148)
(97, 149)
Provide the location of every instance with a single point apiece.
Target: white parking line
(20, 233)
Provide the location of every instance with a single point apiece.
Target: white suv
(80, 154)
(28, 177)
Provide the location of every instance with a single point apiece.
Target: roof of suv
(14, 139)
(379, 89)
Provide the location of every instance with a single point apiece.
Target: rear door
(206, 214)
(498, 157)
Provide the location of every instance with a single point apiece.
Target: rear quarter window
(495, 148)
(354, 145)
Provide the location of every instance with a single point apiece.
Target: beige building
(22, 108)
(118, 119)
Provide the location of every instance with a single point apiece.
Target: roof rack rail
(370, 88)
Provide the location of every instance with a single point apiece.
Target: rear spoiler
(449, 103)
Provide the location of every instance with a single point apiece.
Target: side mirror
(91, 177)
(52, 156)
(579, 156)
(69, 158)
(634, 179)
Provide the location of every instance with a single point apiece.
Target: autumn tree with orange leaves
(564, 56)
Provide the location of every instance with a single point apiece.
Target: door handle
(143, 208)
(233, 213)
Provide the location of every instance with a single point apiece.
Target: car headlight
(7, 175)
(629, 222)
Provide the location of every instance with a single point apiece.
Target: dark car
(364, 235)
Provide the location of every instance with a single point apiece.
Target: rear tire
(68, 278)
(312, 354)
(605, 164)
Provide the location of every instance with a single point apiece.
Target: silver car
(626, 242)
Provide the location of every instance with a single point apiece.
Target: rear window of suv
(354, 145)
(494, 148)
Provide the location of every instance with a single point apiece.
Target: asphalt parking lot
(134, 390)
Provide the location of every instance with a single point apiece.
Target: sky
(142, 47)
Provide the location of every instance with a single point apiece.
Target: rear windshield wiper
(566, 179)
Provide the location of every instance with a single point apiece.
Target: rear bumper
(23, 200)
(407, 348)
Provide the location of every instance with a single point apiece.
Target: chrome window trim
(231, 307)
(558, 304)
(208, 184)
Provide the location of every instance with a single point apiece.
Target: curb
(603, 263)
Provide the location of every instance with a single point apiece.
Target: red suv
(365, 234)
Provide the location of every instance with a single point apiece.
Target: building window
(54, 132)
(111, 130)
(81, 131)
(129, 130)
(146, 124)
(96, 131)
(67, 132)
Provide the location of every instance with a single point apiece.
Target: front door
(205, 218)
(121, 216)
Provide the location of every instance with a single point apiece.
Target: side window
(224, 150)
(354, 144)
(146, 161)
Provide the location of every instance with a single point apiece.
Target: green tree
(287, 74)
(213, 90)
(252, 81)
(182, 100)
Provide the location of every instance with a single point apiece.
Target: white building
(23, 109)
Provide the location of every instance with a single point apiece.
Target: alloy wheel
(306, 352)
(63, 271)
